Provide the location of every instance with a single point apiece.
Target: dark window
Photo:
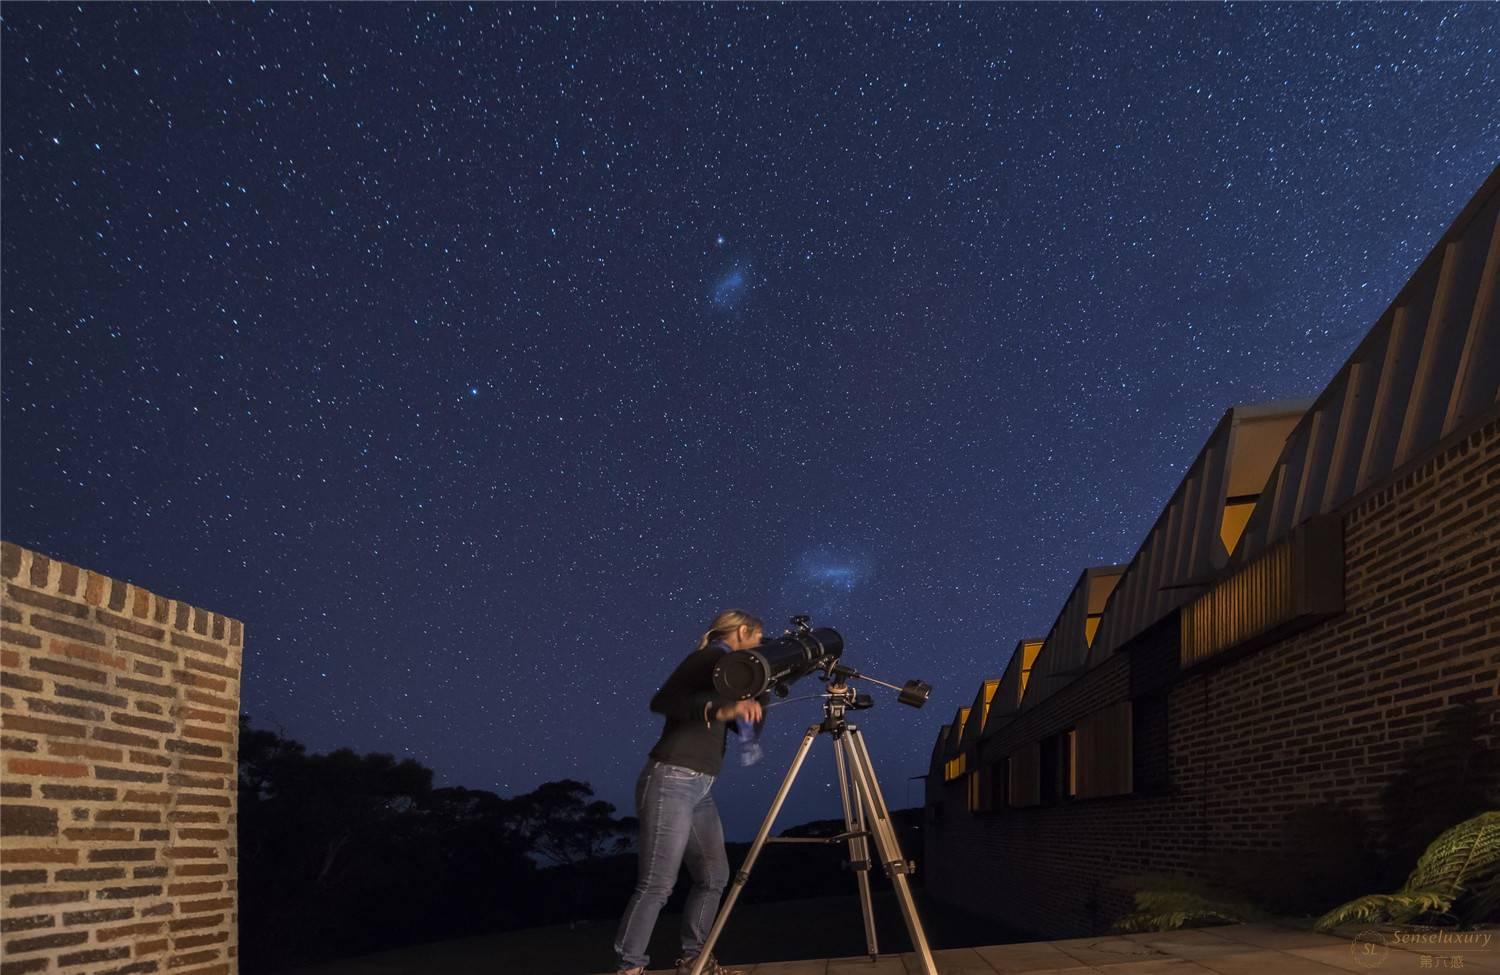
(1051, 762)
(1149, 728)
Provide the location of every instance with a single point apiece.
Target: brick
(90, 694)
(39, 855)
(192, 958)
(105, 935)
(89, 874)
(117, 594)
(92, 955)
(10, 560)
(63, 669)
(129, 893)
(151, 872)
(205, 765)
(24, 966)
(78, 712)
(21, 682)
(144, 798)
(78, 749)
(197, 940)
(11, 743)
(41, 726)
(51, 604)
(201, 869)
(78, 793)
(201, 887)
(39, 898)
(96, 834)
(30, 922)
(60, 939)
(9, 878)
(142, 723)
(41, 570)
(147, 670)
(146, 687)
(20, 638)
(209, 700)
(195, 679)
(144, 630)
(207, 734)
(150, 816)
(150, 758)
(18, 820)
(206, 905)
(126, 775)
(216, 650)
(67, 581)
(209, 667)
(45, 767)
(146, 650)
(15, 790)
(121, 854)
(73, 631)
(134, 968)
(117, 737)
(193, 748)
(97, 915)
(82, 652)
(190, 923)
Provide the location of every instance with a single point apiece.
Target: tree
(563, 826)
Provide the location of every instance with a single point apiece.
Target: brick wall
(1332, 714)
(118, 733)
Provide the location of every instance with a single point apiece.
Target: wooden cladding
(1294, 583)
(1025, 775)
(1104, 757)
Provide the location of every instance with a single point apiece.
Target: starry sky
(475, 356)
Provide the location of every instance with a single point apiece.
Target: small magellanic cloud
(730, 289)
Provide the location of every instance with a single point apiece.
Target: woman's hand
(748, 709)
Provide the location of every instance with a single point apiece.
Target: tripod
(865, 818)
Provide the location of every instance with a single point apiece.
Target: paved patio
(1239, 949)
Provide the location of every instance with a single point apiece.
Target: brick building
(1297, 670)
(118, 735)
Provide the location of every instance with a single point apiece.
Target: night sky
(475, 356)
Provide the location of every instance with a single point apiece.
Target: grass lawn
(825, 927)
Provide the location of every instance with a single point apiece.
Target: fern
(1460, 869)
(1165, 903)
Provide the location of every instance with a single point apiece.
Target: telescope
(777, 664)
(772, 666)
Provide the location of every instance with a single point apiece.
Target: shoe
(685, 967)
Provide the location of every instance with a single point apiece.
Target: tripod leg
(760, 840)
(890, 849)
(859, 846)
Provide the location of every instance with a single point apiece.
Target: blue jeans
(679, 824)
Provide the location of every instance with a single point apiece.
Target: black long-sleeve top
(693, 737)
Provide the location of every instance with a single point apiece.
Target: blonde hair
(726, 623)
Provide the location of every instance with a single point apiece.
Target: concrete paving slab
(1029, 957)
(1107, 950)
(950, 961)
(816, 966)
(1155, 966)
(1264, 961)
(861, 965)
(1276, 936)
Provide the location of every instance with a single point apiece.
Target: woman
(679, 821)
